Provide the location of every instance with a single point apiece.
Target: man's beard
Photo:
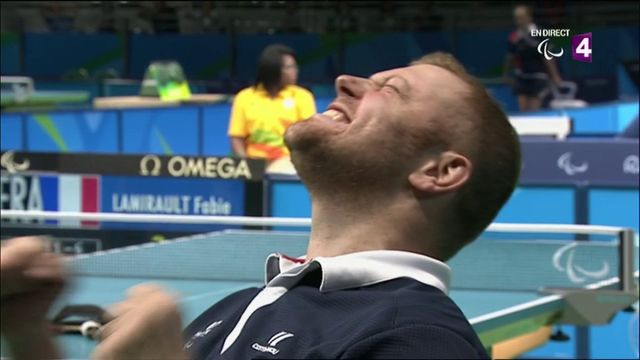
(335, 166)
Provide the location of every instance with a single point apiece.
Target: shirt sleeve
(306, 104)
(237, 121)
(414, 342)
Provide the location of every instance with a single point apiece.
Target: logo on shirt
(288, 103)
(202, 333)
(271, 347)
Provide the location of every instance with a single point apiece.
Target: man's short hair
(495, 156)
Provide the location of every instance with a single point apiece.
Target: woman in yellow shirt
(261, 113)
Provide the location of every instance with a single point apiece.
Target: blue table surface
(103, 279)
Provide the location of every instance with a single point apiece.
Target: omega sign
(203, 167)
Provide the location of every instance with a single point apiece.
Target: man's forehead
(419, 73)
(389, 73)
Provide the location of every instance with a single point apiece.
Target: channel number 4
(583, 48)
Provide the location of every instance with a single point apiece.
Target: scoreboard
(125, 184)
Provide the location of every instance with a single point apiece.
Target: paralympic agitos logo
(7, 161)
(548, 54)
(581, 44)
(564, 261)
(544, 47)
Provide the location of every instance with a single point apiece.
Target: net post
(627, 258)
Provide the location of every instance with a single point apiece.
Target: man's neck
(342, 226)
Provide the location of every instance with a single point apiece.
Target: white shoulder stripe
(282, 337)
(276, 335)
(265, 297)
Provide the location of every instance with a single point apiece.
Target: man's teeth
(335, 115)
(332, 114)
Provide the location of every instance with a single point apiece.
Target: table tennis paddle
(86, 320)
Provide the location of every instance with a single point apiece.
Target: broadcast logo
(581, 47)
(581, 44)
(548, 54)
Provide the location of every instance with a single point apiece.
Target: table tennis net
(486, 264)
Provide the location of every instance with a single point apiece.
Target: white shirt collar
(363, 269)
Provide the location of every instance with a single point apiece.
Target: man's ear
(447, 172)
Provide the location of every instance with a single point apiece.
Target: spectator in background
(530, 69)
(165, 19)
(9, 20)
(88, 20)
(141, 22)
(32, 20)
(60, 17)
(261, 113)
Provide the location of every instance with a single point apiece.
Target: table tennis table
(496, 283)
(42, 99)
(19, 93)
(133, 102)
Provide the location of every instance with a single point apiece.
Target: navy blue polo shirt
(367, 305)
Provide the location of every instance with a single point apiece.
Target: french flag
(78, 194)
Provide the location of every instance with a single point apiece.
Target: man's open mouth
(337, 115)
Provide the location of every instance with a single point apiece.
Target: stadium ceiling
(366, 15)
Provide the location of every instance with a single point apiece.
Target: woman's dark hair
(270, 67)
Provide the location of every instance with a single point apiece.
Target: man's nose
(352, 86)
